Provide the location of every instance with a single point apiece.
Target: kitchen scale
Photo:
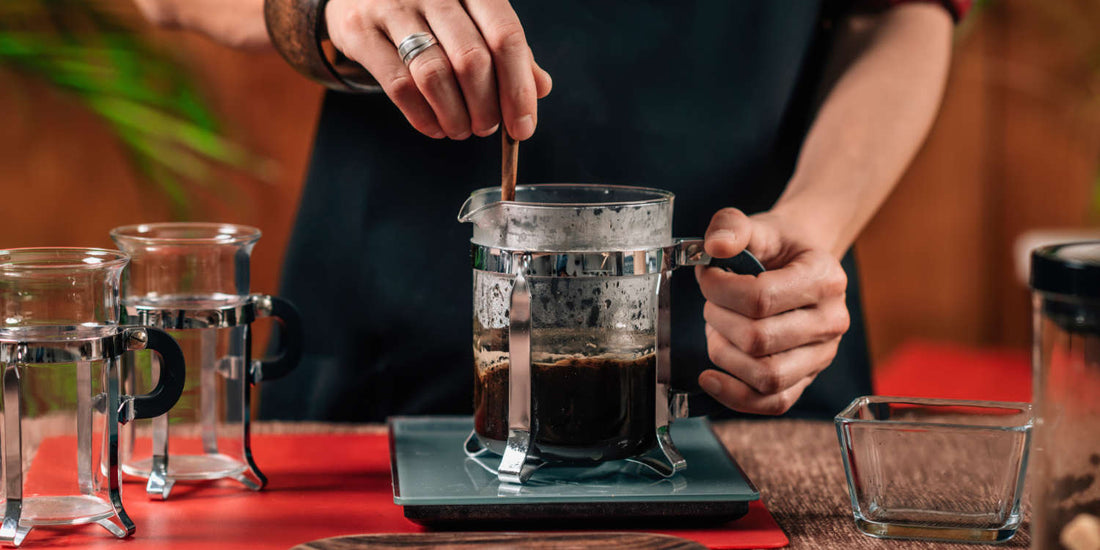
(439, 485)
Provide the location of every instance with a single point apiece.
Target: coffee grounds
(1066, 502)
(597, 408)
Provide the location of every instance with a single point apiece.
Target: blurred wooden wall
(1015, 148)
(1010, 151)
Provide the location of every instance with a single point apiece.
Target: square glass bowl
(935, 469)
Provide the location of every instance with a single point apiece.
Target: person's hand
(771, 334)
(451, 89)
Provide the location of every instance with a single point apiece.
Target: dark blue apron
(708, 99)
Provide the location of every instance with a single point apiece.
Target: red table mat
(319, 486)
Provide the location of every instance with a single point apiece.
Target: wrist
(329, 23)
(297, 29)
(808, 223)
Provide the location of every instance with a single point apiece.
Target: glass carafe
(192, 279)
(571, 324)
(60, 350)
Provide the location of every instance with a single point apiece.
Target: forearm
(891, 69)
(235, 23)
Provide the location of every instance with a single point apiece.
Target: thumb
(728, 234)
(543, 82)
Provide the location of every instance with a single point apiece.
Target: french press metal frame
(242, 315)
(119, 408)
(520, 458)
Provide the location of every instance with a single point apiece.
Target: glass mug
(192, 279)
(60, 349)
(571, 325)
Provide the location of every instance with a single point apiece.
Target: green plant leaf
(86, 49)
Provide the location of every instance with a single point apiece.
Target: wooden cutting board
(505, 541)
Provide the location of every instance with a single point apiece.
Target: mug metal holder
(241, 314)
(119, 408)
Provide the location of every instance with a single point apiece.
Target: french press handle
(290, 337)
(172, 371)
(742, 264)
(690, 252)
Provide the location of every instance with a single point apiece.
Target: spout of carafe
(478, 204)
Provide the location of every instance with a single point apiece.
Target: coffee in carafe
(588, 407)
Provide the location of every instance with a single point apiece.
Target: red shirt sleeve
(958, 8)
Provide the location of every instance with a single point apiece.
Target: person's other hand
(158, 12)
(770, 334)
(234, 23)
(452, 88)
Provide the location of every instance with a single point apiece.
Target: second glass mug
(192, 279)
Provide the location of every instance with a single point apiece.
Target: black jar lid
(1071, 269)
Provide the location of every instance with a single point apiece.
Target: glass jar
(1065, 280)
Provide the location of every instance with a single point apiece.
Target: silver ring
(413, 45)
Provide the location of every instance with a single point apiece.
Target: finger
(774, 373)
(770, 335)
(472, 63)
(512, 59)
(728, 233)
(809, 278)
(543, 82)
(375, 52)
(431, 70)
(738, 396)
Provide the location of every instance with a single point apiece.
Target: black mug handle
(172, 373)
(742, 264)
(685, 378)
(290, 337)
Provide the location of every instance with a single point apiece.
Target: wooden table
(797, 466)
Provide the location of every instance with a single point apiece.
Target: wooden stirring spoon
(508, 166)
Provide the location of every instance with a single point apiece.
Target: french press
(60, 347)
(572, 325)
